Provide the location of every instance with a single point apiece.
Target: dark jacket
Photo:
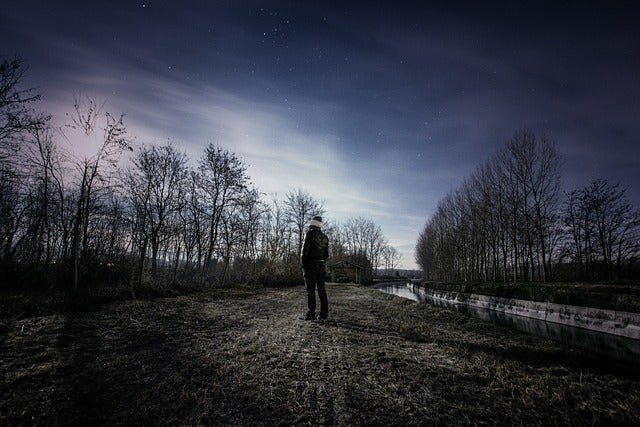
(316, 246)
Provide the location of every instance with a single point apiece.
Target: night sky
(377, 108)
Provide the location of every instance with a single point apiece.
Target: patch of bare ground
(242, 357)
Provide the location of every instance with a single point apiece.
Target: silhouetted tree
(17, 118)
(156, 185)
(603, 227)
(300, 207)
(502, 220)
(222, 179)
(364, 243)
(86, 120)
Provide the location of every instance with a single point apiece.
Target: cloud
(281, 152)
(379, 112)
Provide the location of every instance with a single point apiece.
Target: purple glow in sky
(377, 108)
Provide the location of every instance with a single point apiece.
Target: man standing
(315, 252)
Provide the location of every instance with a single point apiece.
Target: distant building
(345, 271)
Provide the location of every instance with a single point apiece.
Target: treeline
(73, 221)
(510, 221)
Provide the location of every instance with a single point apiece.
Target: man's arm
(325, 248)
(304, 257)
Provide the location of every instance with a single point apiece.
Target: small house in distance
(345, 271)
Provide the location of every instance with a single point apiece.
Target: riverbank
(608, 296)
(594, 307)
(242, 357)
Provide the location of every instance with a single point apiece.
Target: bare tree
(223, 179)
(43, 164)
(193, 219)
(391, 258)
(604, 226)
(13, 210)
(276, 238)
(156, 184)
(504, 218)
(86, 118)
(240, 224)
(300, 206)
(528, 169)
(364, 242)
(16, 116)
(252, 212)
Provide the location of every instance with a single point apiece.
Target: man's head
(316, 221)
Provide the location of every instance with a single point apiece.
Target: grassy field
(241, 357)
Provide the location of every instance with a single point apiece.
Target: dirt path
(242, 357)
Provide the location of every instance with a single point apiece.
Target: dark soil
(242, 357)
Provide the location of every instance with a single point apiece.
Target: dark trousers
(314, 277)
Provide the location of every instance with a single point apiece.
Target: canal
(619, 349)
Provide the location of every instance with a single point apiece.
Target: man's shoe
(323, 316)
(308, 316)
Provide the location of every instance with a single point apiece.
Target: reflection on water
(615, 347)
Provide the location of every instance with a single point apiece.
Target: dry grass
(242, 357)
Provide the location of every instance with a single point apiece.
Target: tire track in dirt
(297, 369)
(315, 372)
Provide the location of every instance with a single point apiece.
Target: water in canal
(620, 349)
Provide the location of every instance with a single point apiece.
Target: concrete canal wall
(607, 320)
